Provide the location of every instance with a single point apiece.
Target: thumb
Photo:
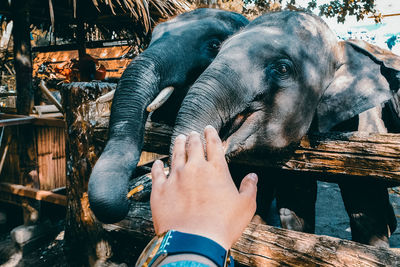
(157, 173)
(248, 186)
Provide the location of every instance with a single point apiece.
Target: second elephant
(284, 74)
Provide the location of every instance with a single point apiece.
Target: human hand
(199, 196)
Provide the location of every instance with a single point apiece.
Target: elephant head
(178, 53)
(270, 80)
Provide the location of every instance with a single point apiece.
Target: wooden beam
(49, 122)
(357, 154)
(353, 153)
(12, 119)
(263, 245)
(33, 193)
(15, 120)
(46, 91)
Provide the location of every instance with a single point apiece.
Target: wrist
(217, 237)
(175, 243)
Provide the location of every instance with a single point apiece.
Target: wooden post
(81, 38)
(88, 243)
(26, 133)
(22, 56)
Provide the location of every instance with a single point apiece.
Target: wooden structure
(113, 58)
(38, 162)
(349, 155)
(47, 151)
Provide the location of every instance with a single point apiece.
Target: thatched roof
(112, 14)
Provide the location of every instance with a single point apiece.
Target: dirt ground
(331, 220)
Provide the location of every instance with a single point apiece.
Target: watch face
(149, 252)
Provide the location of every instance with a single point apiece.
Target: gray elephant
(286, 74)
(179, 52)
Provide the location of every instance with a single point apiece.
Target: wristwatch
(175, 242)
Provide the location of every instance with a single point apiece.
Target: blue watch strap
(176, 242)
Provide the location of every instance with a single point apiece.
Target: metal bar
(16, 121)
(74, 46)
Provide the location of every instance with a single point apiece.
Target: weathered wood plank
(263, 245)
(33, 193)
(358, 154)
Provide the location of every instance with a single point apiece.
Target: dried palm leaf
(95, 3)
(140, 9)
(51, 10)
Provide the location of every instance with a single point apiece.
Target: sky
(383, 6)
(381, 31)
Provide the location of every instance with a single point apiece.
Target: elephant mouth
(238, 135)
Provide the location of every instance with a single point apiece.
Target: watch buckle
(227, 260)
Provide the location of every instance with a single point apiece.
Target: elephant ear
(366, 76)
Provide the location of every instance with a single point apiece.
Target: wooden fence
(348, 154)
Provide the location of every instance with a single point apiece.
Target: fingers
(157, 173)
(195, 149)
(179, 153)
(248, 187)
(215, 152)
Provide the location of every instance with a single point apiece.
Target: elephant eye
(214, 44)
(283, 68)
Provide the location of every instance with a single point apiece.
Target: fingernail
(181, 137)
(254, 177)
(209, 127)
(194, 133)
(158, 162)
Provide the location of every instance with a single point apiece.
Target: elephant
(282, 76)
(179, 51)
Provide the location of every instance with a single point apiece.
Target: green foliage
(335, 8)
(341, 9)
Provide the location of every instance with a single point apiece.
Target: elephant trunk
(208, 102)
(108, 184)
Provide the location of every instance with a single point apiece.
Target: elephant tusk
(160, 99)
(107, 97)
